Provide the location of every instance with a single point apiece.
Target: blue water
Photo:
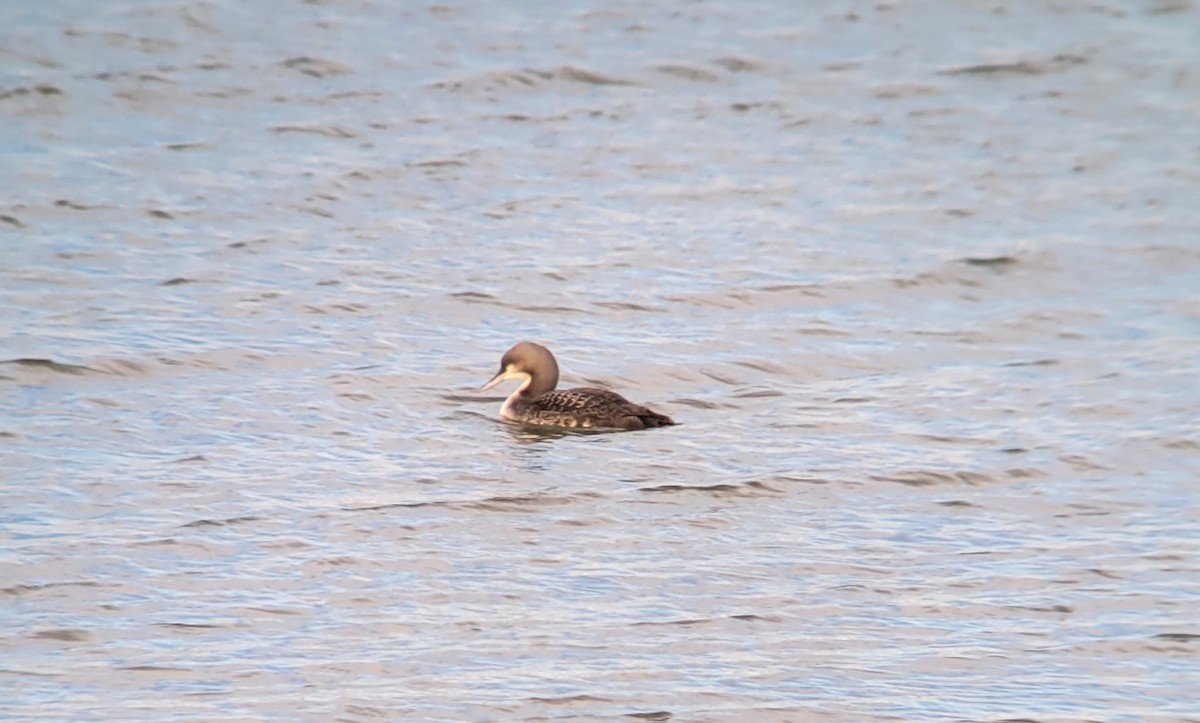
(919, 282)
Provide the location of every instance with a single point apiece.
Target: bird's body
(537, 402)
(581, 407)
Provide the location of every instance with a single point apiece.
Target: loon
(537, 402)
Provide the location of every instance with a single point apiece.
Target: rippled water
(920, 281)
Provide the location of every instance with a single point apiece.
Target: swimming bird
(537, 402)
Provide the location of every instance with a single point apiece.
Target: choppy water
(921, 281)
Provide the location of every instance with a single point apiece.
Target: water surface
(920, 282)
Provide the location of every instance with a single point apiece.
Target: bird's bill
(501, 376)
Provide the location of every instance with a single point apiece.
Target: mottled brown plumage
(537, 402)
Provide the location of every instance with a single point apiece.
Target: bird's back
(587, 407)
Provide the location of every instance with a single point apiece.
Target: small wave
(929, 478)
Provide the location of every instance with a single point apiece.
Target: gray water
(920, 282)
